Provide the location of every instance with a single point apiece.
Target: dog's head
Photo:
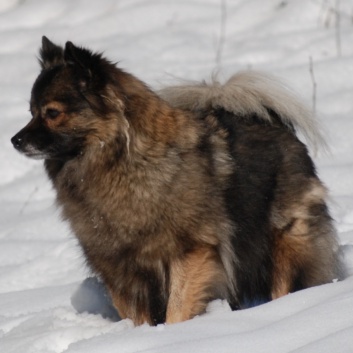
(71, 104)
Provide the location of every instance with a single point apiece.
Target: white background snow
(41, 267)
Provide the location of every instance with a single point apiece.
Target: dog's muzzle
(17, 142)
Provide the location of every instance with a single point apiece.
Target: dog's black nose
(17, 141)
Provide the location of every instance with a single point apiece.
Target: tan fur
(298, 247)
(291, 251)
(191, 281)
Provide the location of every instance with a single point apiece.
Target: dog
(179, 197)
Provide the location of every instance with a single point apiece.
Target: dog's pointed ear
(79, 56)
(83, 59)
(50, 54)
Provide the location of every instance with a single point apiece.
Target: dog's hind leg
(305, 250)
(195, 280)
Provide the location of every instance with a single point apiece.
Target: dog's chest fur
(157, 207)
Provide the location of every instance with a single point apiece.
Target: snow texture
(48, 303)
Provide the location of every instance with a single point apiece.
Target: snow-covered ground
(41, 267)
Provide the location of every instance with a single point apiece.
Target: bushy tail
(248, 93)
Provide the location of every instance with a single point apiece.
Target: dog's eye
(52, 113)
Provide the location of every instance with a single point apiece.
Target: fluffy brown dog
(199, 192)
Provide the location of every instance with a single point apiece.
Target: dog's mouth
(31, 152)
(35, 155)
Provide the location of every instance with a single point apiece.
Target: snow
(47, 302)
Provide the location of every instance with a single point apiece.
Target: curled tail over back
(247, 93)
